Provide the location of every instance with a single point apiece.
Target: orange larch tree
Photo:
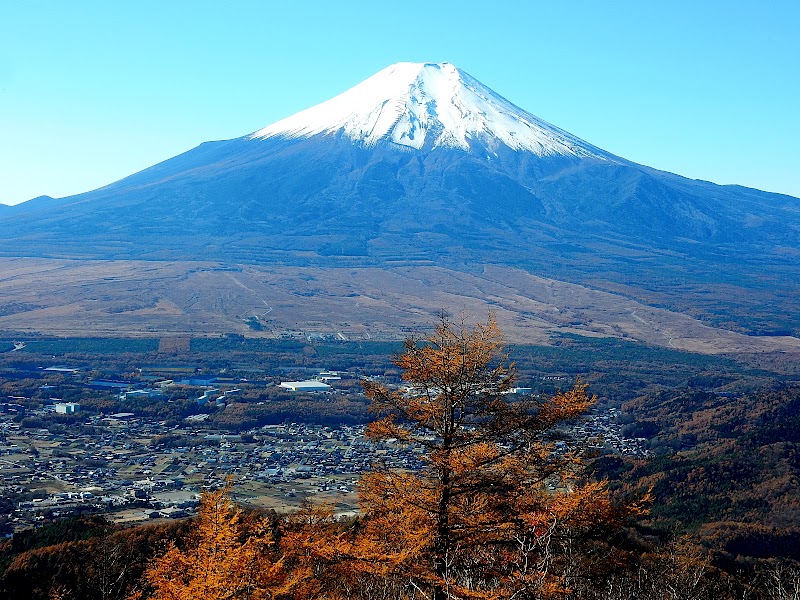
(224, 558)
(496, 511)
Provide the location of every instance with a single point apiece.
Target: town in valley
(146, 443)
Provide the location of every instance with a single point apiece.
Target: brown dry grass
(177, 300)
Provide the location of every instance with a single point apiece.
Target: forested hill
(726, 469)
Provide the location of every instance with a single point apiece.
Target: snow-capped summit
(429, 105)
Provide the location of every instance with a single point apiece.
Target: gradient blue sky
(92, 91)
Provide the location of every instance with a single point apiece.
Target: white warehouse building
(67, 408)
(310, 385)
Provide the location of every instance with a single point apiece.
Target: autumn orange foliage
(221, 559)
(498, 511)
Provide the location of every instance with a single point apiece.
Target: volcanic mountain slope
(422, 165)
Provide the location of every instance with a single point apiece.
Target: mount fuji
(423, 167)
(428, 106)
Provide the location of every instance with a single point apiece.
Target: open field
(162, 299)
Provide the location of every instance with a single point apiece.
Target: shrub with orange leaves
(222, 558)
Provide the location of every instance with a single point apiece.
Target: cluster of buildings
(211, 394)
(603, 431)
(137, 468)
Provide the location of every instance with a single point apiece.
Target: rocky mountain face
(422, 165)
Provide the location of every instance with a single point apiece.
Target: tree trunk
(441, 544)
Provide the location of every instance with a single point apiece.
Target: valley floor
(143, 298)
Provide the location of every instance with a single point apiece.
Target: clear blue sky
(92, 91)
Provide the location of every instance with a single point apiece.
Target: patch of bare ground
(184, 299)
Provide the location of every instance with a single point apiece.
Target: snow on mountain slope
(429, 105)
